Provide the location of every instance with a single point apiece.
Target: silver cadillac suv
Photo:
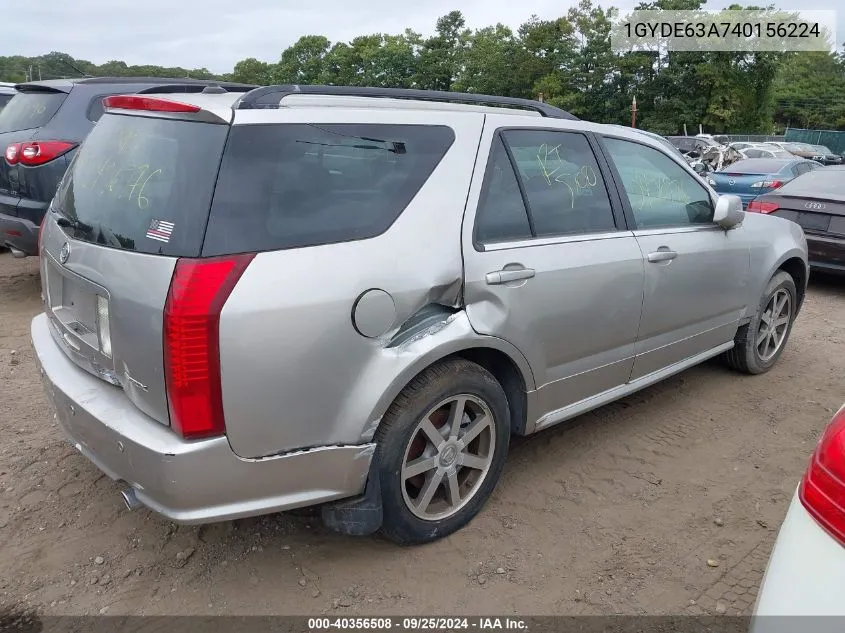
(355, 297)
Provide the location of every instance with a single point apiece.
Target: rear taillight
(766, 184)
(198, 290)
(36, 152)
(822, 490)
(150, 104)
(756, 206)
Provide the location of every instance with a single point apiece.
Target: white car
(7, 91)
(806, 572)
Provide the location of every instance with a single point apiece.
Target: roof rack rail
(193, 87)
(271, 97)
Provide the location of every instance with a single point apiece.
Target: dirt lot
(618, 513)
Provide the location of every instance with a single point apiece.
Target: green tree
(808, 91)
(437, 63)
(252, 71)
(304, 62)
(487, 62)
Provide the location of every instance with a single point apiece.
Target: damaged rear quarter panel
(295, 373)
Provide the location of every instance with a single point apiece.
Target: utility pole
(540, 97)
(634, 111)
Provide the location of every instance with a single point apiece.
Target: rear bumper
(827, 253)
(188, 482)
(805, 575)
(19, 233)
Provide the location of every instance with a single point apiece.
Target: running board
(593, 402)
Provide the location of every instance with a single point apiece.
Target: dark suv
(40, 129)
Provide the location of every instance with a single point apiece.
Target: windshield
(143, 184)
(30, 109)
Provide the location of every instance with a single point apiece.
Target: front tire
(759, 343)
(441, 448)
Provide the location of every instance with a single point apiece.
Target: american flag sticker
(160, 230)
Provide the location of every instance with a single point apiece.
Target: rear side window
(143, 184)
(30, 109)
(294, 185)
(501, 211)
(4, 99)
(563, 186)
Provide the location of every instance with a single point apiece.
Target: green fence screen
(833, 140)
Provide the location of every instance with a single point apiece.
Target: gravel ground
(666, 502)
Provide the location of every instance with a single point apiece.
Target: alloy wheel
(448, 457)
(774, 322)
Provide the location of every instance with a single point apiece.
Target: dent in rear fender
(398, 364)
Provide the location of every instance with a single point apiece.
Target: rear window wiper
(65, 220)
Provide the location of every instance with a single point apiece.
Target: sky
(216, 34)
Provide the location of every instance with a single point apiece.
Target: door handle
(507, 275)
(662, 256)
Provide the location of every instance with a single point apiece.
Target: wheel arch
(499, 357)
(797, 269)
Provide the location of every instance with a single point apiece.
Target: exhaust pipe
(130, 499)
(17, 253)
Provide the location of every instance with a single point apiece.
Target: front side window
(661, 193)
(563, 186)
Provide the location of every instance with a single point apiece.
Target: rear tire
(759, 343)
(441, 448)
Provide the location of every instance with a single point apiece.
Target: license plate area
(814, 221)
(72, 307)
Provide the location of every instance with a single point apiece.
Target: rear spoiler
(158, 107)
(28, 87)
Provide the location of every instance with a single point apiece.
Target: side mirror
(728, 213)
(699, 168)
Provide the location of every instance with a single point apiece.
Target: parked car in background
(687, 144)
(392, 384)
(805, 575)
(7, 91)
(740, 145)
(40, 130)
(816, 201)
(751, 177)
(816, 153)
(825, 156)
(765, 152)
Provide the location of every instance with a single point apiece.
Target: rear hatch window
(295, 185)
(30, 109)
(143, 184)
(146, 184)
